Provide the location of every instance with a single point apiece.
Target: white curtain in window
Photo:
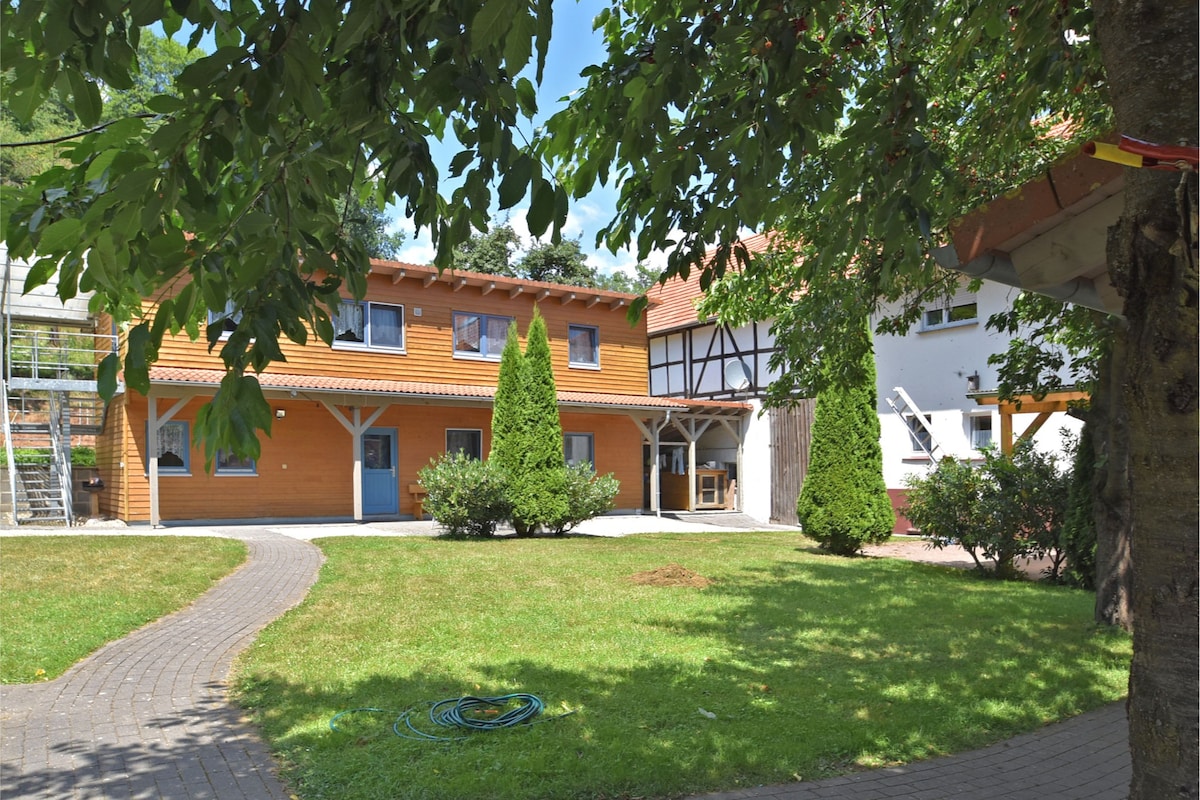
(497, 333)
(348, 322)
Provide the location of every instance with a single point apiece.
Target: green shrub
(1079, 526)
(83, 456)
(587, 495)
(466, 496)
(944, 505)
(1008, 508)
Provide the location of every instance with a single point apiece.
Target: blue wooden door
(380, 489)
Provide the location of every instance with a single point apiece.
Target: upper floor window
(364, 324)
(228, 318)
(579, 448)
(468, 441)
(583, 345)
(480, 335)
(174, 456)
(230, 464)
(959, 311)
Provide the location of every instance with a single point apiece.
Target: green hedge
(81, 456)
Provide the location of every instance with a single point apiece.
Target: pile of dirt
(671, 575)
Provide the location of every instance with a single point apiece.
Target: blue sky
(573, 46)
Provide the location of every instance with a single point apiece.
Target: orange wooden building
(411, 374)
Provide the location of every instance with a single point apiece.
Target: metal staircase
(50, 400)
(917, 424)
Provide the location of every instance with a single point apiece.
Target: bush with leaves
(1010, 507)
(587, 494)
(944, 505)
(1079, 525)
(466, 496)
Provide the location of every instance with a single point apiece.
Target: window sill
(583, 365)
(165, 474)
(235, 474)
(470, 357)
(358, 347)
(948, 325)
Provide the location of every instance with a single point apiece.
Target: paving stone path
(147, 717)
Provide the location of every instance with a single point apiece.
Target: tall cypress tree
(844, 501)
(507, 415)
(538, 486)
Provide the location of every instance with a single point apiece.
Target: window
(583, 345)
(981, 431)
(174, 457)
(578, 449)
(480, 335)
(228, 318)
(229, 464)
(919, 435)
(374, 325)
(959, 311)
(465, 440)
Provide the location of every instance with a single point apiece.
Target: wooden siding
(305, 469)
(429, 341)
(791, 440)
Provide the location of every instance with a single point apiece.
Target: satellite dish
(737, 375)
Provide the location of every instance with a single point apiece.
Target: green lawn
(62, 597)
(812, 665)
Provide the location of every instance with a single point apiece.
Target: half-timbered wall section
(707, 361)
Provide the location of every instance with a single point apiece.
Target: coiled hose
(467, 713)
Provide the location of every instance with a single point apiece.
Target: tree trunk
(1110, 489)
(1150, 58)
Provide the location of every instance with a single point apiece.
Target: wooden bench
(418, 493)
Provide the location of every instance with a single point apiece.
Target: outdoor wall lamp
(280, 413)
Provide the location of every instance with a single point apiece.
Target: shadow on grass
(814, 667)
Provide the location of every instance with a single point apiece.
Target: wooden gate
(791, 439)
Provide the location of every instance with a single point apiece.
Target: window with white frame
(228, 318)
(918, 434)
(174, 454)
(480, 335)
(367, 324)
(583, 344)
(961, 310)
(981, 431)
(230, 464)
(468, 441)
(579, 448)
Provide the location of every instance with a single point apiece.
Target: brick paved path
(146, 716)
(1083, 758)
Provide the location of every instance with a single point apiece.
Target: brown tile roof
(673, 305)
(210, 378)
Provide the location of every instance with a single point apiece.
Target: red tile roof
(673, 305)
(210, 378)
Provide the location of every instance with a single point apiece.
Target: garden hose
(467, 713)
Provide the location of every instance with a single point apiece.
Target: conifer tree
(538, 485)
(507, 425)
(844, 502)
